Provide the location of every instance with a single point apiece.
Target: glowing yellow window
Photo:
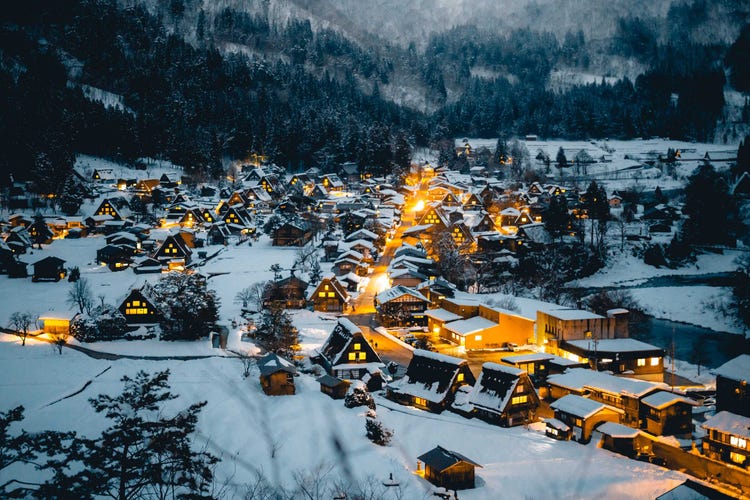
(460, 377)
(331, 295)
(641, 361)
(136, 303)
(352, 356)
(420, 401)
(519, 400)
(321, 294)
(654, 361)
(362, 356)
(357, 346)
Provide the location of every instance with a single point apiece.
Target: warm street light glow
(419, 206)
(381, 283)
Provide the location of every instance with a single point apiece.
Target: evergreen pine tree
(276, 331)
(71, 198)
(143, 453)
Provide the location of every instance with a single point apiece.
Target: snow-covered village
(283, 284)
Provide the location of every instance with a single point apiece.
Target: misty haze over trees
(197, 83)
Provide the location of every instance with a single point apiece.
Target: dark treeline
(307, 97)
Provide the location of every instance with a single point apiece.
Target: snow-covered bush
(377, 433)
(190, 308)
(104, 323)
(359, 396)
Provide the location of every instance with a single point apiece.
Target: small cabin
(57, 323)
(447, 469)
(292, 234)
(49, 269)
(733, 386)
(728, 438)
(276, 375)
(347, 354)
(624, 440)
(667, 414)
(140, 308)
(333, 387)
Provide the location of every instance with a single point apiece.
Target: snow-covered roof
(557, 424)
(617, 430)
(528, 358)
(470, 325)
(581, 407)
(580, 378)
(429, 376)
(662, 399)
(272, 363)
(441, 315)
(614, 345)
(572, 314)
(735, 369)
(729, 423)
(396, 292)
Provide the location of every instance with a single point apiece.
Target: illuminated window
(519, 388)
(420, 401)
(326, 287)
(357, 346)
(477, 337)
(321, 294)
(331, 295)
(460, 377)
(737, 457)
(517, 400)
(738, 442)
(352, 356)
(362, 356)
(641, 361)
(654, 361)
(579, 422)
(136, 303)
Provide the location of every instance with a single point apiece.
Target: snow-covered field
(245, 427)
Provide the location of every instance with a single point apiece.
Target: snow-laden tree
(276, 332)
(190, 309)
(146, 453)
(71, 198)
(104, 322)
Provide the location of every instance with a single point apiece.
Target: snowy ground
(245, 427)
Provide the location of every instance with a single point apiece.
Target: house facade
(728, 438)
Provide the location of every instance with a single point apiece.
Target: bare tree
(59, 340)
(305, 256)
(20, 322)
(80, 295)
(252, 295)
(247, 362)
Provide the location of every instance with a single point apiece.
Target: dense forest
(235, 83)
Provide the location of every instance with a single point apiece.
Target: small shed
(334, 387)
(622, 439)
(56, 323)
(49, 269)
(583, 414)
(448, 469)
(276, 375)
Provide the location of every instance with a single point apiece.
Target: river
(716, 348)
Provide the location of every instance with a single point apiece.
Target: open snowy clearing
(303, 431)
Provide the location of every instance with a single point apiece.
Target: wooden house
(401, 306)
(57, 323)
(347, 354)
(667, 414)
(147, 265)
(139, 307)
(289, 292)
(728, 438)
(624, 440)
(334, 387)
(625, 394)
(49, 269)
(276, 375)
(630, 356)
(237, 219)
(115, 257)
(117, 207)
(581, 415)
(296, 233)
(218, 234)
(170, 180)
(504, 395)
(448, 469)
(329, 296)
(18, 240)
(431, 381)
(103, 175)
(694, 490)
(732, 386)
(174, 249)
